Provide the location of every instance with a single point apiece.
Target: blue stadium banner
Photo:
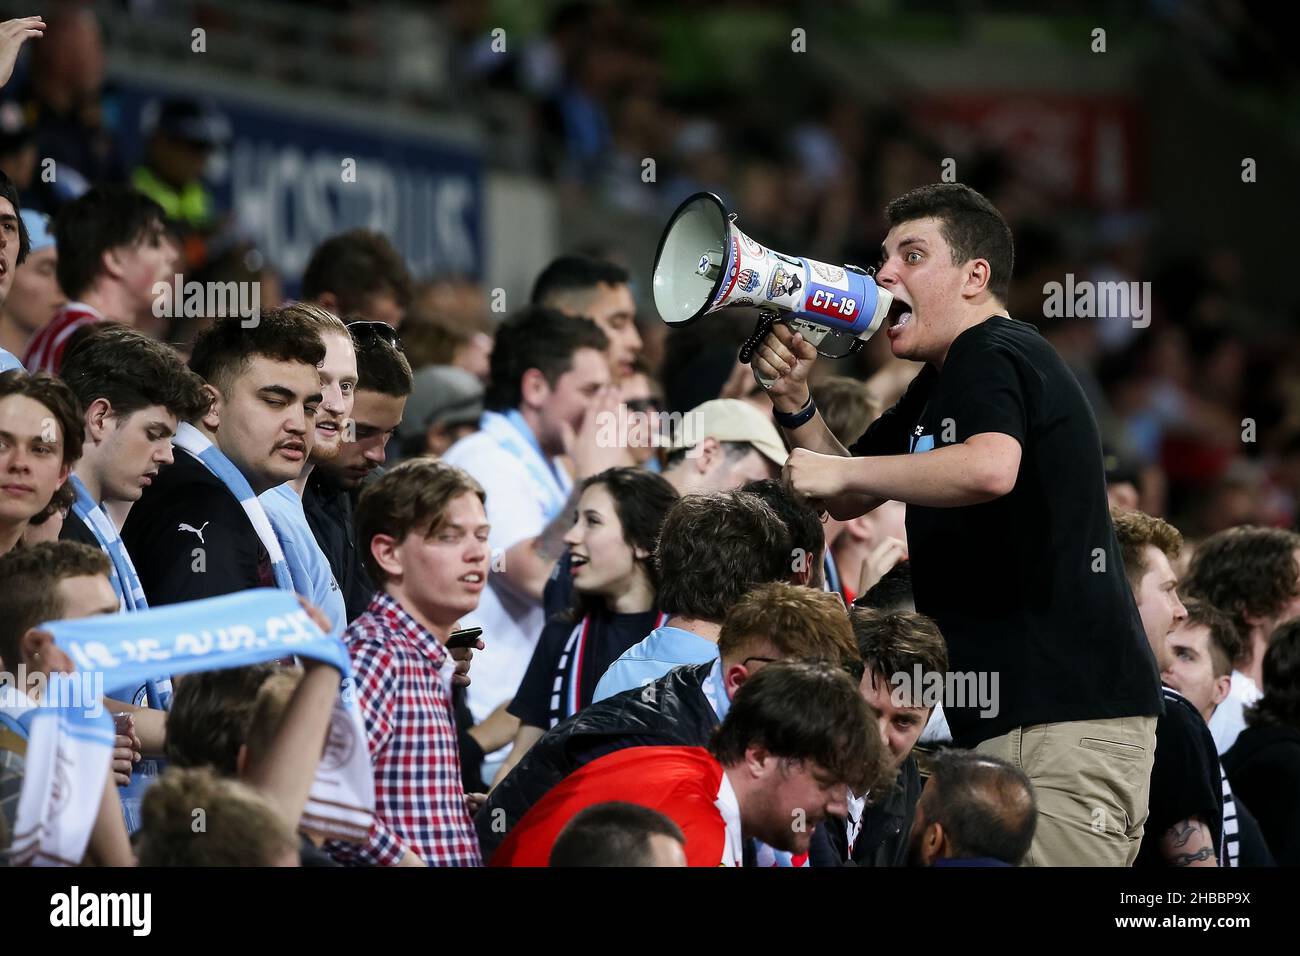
(292, 177)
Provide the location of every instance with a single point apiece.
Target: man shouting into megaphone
(996, 453)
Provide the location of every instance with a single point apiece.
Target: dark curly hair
(1281, 701)
(1246, 572)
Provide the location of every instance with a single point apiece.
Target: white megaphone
(704, 263)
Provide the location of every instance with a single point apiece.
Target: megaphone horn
(705, 263)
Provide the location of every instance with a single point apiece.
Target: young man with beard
(200, 529)
(308, 565)
(383, 385)
(995, 452)
(113, 249)
(975, 810)
(796, 737)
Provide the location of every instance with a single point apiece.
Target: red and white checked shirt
(403, 685)
(45, 351)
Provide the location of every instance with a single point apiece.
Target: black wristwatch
(791, 420)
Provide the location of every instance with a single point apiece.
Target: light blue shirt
(8, 362)
(663, 649)
(308, 566)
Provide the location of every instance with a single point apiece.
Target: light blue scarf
(513, 435)
(190, 439)
(130, 593)
(234, 630)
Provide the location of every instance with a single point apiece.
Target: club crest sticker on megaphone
(704, 264)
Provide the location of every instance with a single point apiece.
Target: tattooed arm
(1188, 843)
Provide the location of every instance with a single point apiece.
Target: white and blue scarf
(59, 802)
(190, 439)
(122, 574)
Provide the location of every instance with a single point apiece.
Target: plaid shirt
(403, 681)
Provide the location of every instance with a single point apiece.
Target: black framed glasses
(763, 660)
(366, 333)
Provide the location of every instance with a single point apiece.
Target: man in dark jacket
(773, 622)
(383, 383)
(899, 651)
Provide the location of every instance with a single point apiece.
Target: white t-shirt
(1229, 718)
(524, 492)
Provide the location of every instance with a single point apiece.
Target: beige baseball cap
(729, 419)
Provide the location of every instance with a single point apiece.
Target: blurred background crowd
(1142, 142)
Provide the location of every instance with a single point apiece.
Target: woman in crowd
(613, 578)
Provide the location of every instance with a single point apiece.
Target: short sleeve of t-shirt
(985, 382)
(532, 702)
(888, 434)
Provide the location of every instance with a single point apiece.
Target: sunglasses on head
(367, 333)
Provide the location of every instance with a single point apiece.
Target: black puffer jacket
(672, 711)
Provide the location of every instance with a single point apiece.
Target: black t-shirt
(1185, 779)
(190, 538)
(1029, 587)
(74, 529)
(567, 650)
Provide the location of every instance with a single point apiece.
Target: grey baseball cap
(443, 395)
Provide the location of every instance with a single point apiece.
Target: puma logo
(198, 530)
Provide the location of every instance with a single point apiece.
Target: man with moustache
(200, 530)
(308, 566)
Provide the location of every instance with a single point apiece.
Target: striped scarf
(130, 593)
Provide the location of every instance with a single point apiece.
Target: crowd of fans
(568, 647)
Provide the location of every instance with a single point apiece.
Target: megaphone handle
(766, 320)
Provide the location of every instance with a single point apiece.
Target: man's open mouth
(900, 312)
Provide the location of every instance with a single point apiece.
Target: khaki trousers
(1092, 779)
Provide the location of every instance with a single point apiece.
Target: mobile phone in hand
(464, 637)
